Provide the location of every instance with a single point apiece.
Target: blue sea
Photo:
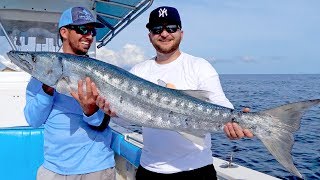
(260, 92)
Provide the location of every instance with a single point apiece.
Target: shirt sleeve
(95, 119)
(133, 70)
(208, 79)
(38, 104)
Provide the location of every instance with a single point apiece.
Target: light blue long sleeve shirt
(71, 144)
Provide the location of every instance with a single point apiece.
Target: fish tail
(287, 119)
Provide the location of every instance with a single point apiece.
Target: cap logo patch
(163, 12)
(84, 14)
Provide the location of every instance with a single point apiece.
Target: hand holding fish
(105, 106)
(234, 131)
(88, 98)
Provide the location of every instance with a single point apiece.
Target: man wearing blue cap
(167, 154)
(76, 133)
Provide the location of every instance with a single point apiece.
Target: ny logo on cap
(163, 12)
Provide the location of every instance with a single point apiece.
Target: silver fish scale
(147, 107)
(144, 102)
(143, 97)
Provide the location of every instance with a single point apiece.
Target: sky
(235, 36)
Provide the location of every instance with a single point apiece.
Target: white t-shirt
(167, 151)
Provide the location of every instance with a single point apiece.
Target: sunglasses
(159, 29)
(83, 30)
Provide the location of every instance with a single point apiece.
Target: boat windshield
(33, 26)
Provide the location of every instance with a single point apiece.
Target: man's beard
(171, 49)
(77, 50)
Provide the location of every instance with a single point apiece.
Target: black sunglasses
(83, 30)
(159, 29)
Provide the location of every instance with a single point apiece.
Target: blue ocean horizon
(265, 91)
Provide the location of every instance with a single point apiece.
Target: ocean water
(259, 92)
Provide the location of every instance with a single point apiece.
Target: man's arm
(104, 124)
(38, 103)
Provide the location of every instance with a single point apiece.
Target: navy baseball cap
(164, 14)
(78, 16)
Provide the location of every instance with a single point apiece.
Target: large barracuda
(149, 105)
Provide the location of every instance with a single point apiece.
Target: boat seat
(21, 151)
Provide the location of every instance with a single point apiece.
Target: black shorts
(204, 173)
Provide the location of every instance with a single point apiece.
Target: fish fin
(199, 94)
(281, 140)
(65, 85)
(280, 145)
(194, 138)
(62, 86)
(289, 116)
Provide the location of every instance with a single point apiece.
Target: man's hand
(234, 131)
(105, 106)
(87, 100)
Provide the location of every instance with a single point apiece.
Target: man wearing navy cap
(76, 133)
(167, 154)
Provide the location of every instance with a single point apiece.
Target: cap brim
(150, 25)
(157, 23)
(98, 25)
(95, 24)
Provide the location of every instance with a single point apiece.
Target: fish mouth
(17, 60)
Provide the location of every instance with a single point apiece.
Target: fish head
(46, 67)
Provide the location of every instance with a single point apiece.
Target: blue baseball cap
(78, 16)
(162, 15)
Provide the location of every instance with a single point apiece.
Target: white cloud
(128, 56)
(247, 59)
(236, 59)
